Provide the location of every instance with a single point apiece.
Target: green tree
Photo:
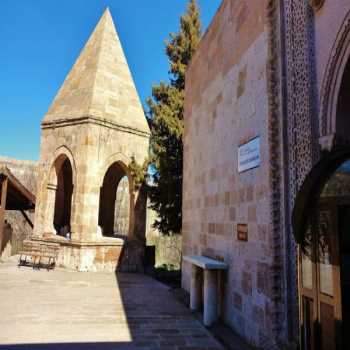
(165, 115)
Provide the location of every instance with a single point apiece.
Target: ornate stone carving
(273, 83)
(316, 4)
(300, 125)
(302, 118)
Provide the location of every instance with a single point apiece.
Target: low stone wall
(167, 248)
(105, 255)
(168, 251)
(88, 257)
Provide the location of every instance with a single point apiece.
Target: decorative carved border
(274, 137)
(332, 75)
(300, 125)
(89, 119)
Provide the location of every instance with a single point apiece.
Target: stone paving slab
(49, 310)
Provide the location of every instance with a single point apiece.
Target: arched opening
(114, 210)
(63, 197)
(321, 224)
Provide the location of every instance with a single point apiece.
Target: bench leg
(36, 263)
(196, 290)
(50, 263)
(20, 261)
(210, 301)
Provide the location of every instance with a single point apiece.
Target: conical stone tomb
(92, 131)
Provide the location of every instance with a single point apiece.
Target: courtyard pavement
(51, 310)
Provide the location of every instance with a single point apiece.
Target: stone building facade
(272, 76)
(91, 133)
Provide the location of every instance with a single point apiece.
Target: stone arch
(112, 173)
(59, 154)
(60, 192)
(309, 191)
(333, 78)
(120, 158)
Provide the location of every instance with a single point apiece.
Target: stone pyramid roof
(100, 85)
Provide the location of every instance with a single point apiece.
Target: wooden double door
(324, 277)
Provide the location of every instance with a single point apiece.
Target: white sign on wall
(249, 155)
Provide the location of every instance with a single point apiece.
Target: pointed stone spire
(100, 84)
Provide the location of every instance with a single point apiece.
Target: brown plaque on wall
(242, 232)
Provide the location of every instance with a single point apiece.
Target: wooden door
(319, 281)
(344, 240)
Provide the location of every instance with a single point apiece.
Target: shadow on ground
(49, 310)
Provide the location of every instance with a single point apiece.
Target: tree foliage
(166, 110)
(138, 172)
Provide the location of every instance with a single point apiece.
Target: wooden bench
(40, 254)
(210, 286)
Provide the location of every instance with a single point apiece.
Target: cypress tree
(165, 115)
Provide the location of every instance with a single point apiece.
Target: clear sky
(41, 39)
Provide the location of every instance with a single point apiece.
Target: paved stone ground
(92, 311)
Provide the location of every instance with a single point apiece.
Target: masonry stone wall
(227, 105)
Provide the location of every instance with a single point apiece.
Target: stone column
(85, 209)
(210, 297)
(50, 209)
(138, 215)
(196, 290)
(132, 202)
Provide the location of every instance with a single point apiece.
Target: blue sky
(40, 40)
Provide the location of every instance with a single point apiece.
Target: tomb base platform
(102, 255)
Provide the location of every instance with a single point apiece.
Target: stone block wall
(92, 149)
(226, 105)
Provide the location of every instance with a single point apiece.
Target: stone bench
(210, 287)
